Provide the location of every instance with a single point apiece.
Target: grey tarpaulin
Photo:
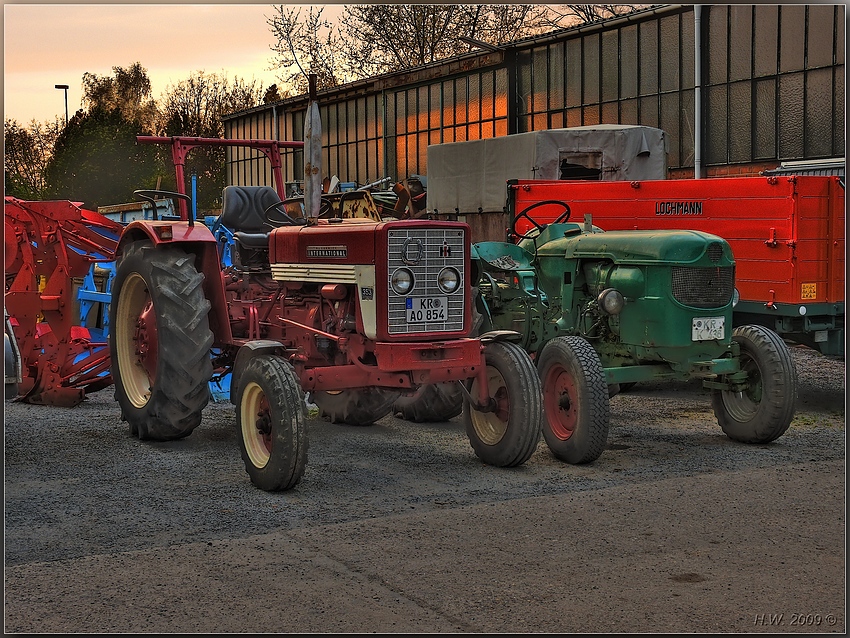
(465, 177)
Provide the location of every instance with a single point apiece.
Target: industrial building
(737, 89)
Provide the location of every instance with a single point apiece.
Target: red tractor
(354, 310)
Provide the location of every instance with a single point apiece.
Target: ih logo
(445, 250)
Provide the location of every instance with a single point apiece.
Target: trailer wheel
(507, 436)
(160, 341)
(763, 411)
(432, 403)
(363, 406)
(270, 416)
(575, 400)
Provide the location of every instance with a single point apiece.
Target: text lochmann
(678, 208)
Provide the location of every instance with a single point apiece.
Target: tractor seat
(243, 208)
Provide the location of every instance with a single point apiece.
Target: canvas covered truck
(466, 180)
(787, 233)
(352, 309)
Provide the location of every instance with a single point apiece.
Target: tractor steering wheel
(561, 218)
(279, 209)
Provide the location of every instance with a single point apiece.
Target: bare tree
(194, 108)
(26, 154)
(567, 15)
(380, 38)
(304, 46)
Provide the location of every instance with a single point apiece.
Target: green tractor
(601, 311)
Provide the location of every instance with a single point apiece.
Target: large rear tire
(763, 411)
(160, 341)
(507, 436)
(363, 406)
(270, 415)
(575, 400)
(432, 403)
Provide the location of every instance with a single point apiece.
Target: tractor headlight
(611, 301)
(402, 281)
(736, 297)
(448, 280)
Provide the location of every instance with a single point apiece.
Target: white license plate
(427, 309)
(707, 328)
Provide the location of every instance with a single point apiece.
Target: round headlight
(736, 297)
(448, 280)
(611, 301)
(402, 281)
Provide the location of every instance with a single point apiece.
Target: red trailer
(787, 233)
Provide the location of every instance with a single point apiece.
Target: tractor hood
(682, 247)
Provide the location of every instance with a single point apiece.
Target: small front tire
(575, 400)
(507, 436)
(270, 416)
(763, 411)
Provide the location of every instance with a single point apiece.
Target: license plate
(707, 328)
(427, 309)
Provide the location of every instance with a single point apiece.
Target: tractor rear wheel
(508, 435)
(575, 400)
(160, 341)
(432, 403)
(363, 406)
(763, 411)
(272, 431)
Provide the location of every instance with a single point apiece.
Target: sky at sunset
(49, 44)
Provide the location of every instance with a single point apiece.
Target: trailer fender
(245, 354)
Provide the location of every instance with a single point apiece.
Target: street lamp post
(65, 87)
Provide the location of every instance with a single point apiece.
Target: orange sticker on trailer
(808, 291)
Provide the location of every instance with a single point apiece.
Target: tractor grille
(703, 287)
(425, 252)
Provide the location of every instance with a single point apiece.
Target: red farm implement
(48, 244)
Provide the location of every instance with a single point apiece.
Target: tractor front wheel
(160, 341)
(270, 416)
(575, 400)
(762, 411)
(506, 435)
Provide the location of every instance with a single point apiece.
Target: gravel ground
(86, 506)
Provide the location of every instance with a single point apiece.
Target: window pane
(765, 125)
(648, 57)
(628, 112)
(766, 30)
(790, 116)
(474, 103)
(686, 142)
(838, 132)
(590, 49)
(670, 53)
(820, 35)
(574, 72)
(649, 111)
(501, 92)
(574, 117)
(539, 79)
(687, 50)
(610, 65)
(819, 113)
(740, 42)
(435, 105)
(448, 103)
(715, 130)
(792, 33)
(610, 113)
(523, 81)
(628, 61)
(739, 122)
(556, 76)
(488, 105)
(591, 115)
(670, 111)
(717, 54)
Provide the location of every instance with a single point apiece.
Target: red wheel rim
(146, 340)
(559, 401)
